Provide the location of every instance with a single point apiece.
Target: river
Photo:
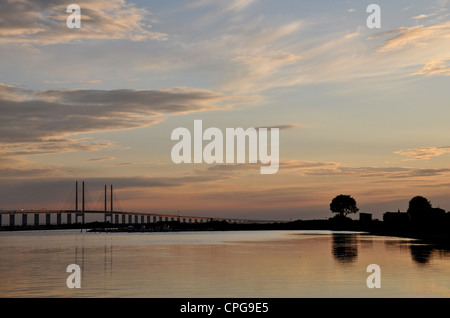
(288, 264)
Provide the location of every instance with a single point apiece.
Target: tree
(343, 204)
(419, 204)
(419, 209)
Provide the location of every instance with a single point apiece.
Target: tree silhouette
(343, 204)
(419, 208)
(419, 204)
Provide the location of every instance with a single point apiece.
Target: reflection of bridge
(111, 216)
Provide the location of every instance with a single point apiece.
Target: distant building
(397, 217)
(365, 218)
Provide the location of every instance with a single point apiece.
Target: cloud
(297, 164)
(424, 153)
(51, 146)
(6, 173)
(240, 168)
(89, 81)
(281, 127)
(231, 5)
(416, 36)
(258, 69)
(102, 159)
(434, 67)
(38, 122)
(275, 196)
(422, 16)
(379, 172)
(44, 22)
(78, 82)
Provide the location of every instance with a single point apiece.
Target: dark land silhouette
(420, 221)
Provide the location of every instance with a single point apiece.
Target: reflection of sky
(365, 110)
(215, 264)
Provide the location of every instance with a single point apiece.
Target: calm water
(271, 264)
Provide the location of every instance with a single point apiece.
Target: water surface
(271, 264)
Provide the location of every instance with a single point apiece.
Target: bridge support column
(148, 218)
(136, 219)
(123, 218)
(36, 219)
(58, 219)
(142, 219)
(24, 219)
(130, 220)
(116, 219)
(47, 218)
(12, 219)
(69, 218)
(1, 224)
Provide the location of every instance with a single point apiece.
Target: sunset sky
(361, 111)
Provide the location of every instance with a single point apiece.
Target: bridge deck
(169, 216)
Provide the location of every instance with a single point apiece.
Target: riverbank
(439, 237)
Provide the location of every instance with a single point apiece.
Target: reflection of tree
(421, 253)
(345, 248)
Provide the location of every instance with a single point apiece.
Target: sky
(361, 111)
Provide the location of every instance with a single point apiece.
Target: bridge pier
(58, 219)
(36, 219)
(136, 219)
(47, 218)
(12, 219)
(130, 219)
(142, 219)
(69, 218)
(123, 218)
(24, 219)
(1, 224)
(116, 219)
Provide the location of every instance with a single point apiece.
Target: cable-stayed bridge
(79, 214)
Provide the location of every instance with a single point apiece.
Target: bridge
(78, 215)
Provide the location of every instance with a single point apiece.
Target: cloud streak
(44, 22)
(379, 172)
(38, 122)
(416, 36)
(434, 67)
(424, 153)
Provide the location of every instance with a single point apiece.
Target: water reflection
(421, 253)
(345, 247)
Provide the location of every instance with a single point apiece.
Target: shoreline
(378, 228)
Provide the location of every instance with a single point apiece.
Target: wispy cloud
(102, 159)
(434, 67)
(424, 153)
(231, 5)
(287, 166)
(39, 122)
(68, 82)
(126, 163)
(415, 36)
(281, 127)
(44, 22)
(380, 173)
(423, 16)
